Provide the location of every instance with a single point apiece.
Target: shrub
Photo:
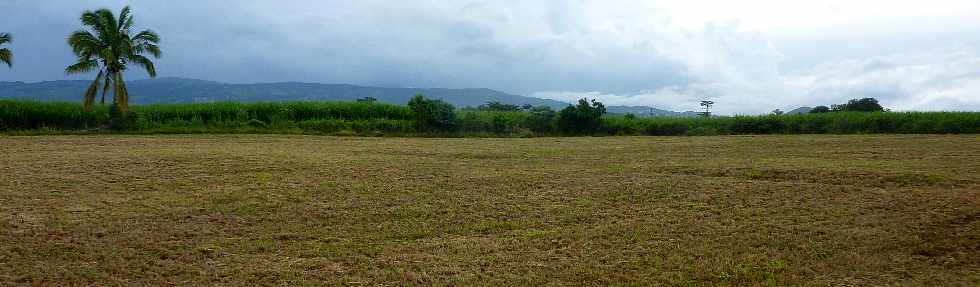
(584, 118)
(432, 115)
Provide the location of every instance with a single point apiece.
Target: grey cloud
(622, 51)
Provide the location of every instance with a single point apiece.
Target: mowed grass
(623, 211)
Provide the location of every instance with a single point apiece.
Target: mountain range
(180, 90)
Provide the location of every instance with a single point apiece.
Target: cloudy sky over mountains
(747, 56)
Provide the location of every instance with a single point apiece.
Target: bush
(859, 105)
(584, 118)
(432, 115)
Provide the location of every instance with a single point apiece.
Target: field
(181, 210)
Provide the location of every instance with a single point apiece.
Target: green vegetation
(822, 123)
(820, 109)
(285, 210)
(432, 117)
(496, 106)
(296, 117)
(6, 56)
(859, 105)
(110, 47)
(582, 119)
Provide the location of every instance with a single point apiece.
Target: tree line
(433, 117)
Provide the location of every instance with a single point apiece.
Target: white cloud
(947, 79)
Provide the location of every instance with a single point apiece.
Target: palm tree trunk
(121, 94)
(108, 84)
(91, 92)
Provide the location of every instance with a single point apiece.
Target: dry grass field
(618, 211)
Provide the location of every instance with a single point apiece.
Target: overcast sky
(747, 56)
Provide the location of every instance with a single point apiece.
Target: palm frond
(147, 36)
(146, 42)
(7, 57)
(90, 18)
(83, 66)
(84, 44)
(145, 63)
(125, 20)
(105, 26)
(107, 20)
(90, 93)
(153, 49)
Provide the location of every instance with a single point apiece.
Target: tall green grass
(225, 117)
(29, 115)
(268, 112)
(823, 123)
(354, 118)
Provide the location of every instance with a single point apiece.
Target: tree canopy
(6, 56)
(108, 45)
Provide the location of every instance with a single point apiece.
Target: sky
(748, 56)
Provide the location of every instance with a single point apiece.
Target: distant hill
(648, 111)
(800, 110)
(180, 90)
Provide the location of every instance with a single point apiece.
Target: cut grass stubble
(294, 210)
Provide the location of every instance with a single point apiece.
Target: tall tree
(109, 46)
(6, 56)
(707, 108)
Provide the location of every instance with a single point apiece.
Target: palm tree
(6, 56)
(109, 46)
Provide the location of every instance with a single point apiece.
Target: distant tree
(542, 119)
(499, 107)
(110, 46)
(6, 56)
(527, 107)
(367, 100)
(501, 124)
(820, 110)
(859, 105)
(777, 112)
(629, 116)
(432, 115)
(707, 108)
(584, 118)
